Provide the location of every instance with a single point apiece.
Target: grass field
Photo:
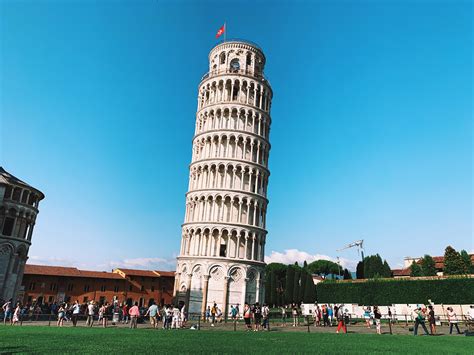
(39, 339)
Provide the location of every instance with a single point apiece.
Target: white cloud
(51, 261)
(289, 256)
(143, 264)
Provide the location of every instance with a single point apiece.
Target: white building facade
(223, 236)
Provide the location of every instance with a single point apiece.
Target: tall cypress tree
(273, 291)
(268, 286)
(309, 290)
(296, 286)
(360, 270)
(415, 269)
(466, 258)
(289, 284)
(303, 284)
(453, 262)
(428, 266)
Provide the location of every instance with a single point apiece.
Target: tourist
(283, 314)
(90, 314)
(471, 312)
(432, 320)
(208, 314)
(213, 314)
(247, 317)
(330, 315)
(125, 315)
(153, 313)
(378, 317)
(318, 316)
(265, 315)
(8, 310)
(294, 313)
(61, 315)
(453, 320)
(324, 311)
(340, 316)
(257, 316)
(134, 313)
(76, 310)
(103, 314)
(420, 315)
(367, 316)
(234, 311)
(168, 317)
(219, 315)
(176, 317)
(183, 316)
(16, 314)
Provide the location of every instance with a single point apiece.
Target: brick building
(46, 284)
(406, 271)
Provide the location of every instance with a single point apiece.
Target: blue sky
(371, 133)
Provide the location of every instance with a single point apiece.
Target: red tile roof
(67, 272)
(166, 273)
(145, 273)
(401, 272)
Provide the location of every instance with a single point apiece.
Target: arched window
(222, 58)
(234, 65)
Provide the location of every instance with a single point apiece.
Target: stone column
(257, 288)
(244, 292)
(188, 290)
(204, 296)
(226, 295)
(176, 283)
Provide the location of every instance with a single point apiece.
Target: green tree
(428, 266)
(273, 285)
(297, 286)
(289, 284)
(453, 262)
(347, 275)
(323, 267)
(387, 271)
(302, 284)
(305, 265)
(415, 269)
(268, 287)
(360, 270)
(373, 266)
(467, 261)
(309, 290)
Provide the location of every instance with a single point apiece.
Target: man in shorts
(8, 310)
(257, 315)
(153, 313)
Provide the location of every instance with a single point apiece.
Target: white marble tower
(223, 236)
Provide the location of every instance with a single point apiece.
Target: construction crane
(358, 244)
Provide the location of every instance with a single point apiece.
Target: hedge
(389, 291)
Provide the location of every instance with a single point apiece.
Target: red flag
(220, 32)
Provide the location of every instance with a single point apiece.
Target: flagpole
(225, 29)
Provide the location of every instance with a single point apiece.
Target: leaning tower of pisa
(223, 236)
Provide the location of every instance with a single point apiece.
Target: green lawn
(38, 339)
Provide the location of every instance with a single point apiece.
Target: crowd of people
(255, 316)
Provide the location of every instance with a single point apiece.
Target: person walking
(340, 316)
(134, 313)
(367, 312)
(453, 320)
(61, 315)
(318, 316)
(432, 320)
(153, 313)
(90, 314)
(247, 317)
(330, 315)
(104, 310)
(8, 311)
(265, 315)
(125, 315)
(257, 315)
(420, 315)
(294, 313)
(213, 314)
(16, 314)
(283, 314)
(76, 310)
(378, 317)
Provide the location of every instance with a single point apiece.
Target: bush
(388, 291)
